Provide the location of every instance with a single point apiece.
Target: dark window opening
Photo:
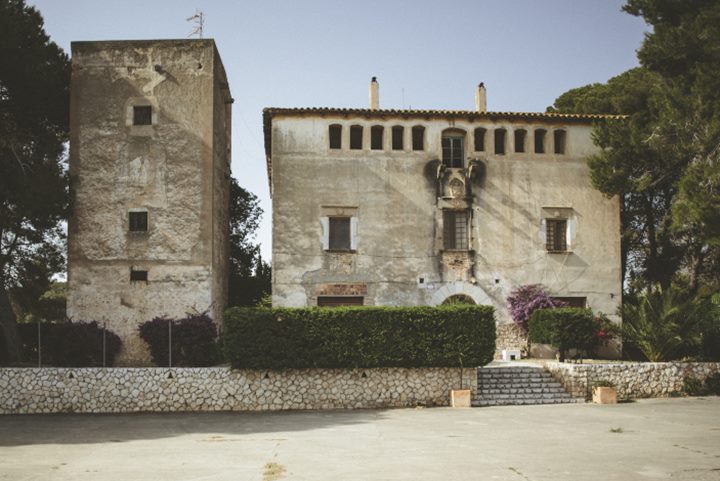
(339, 233)
(397, 137)
(138, 276)
(540, 141)
(335, 134)
(559, 141)
(418, 138)
(520, 140)
(500, 141)
(142, 115)
(337, 301)
(480, 139)
(580, 302)
(138, 221)
(556, 235)
(376, 137)
(356, 134)
(455, 229)
(453, 152)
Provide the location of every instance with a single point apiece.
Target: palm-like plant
(664, 325)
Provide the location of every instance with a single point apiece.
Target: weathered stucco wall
(166, 169)
(632, 380)
(97, 390)
(398, 255)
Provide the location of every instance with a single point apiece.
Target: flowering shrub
(527, 299)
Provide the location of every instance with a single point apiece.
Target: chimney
(481, 98)
(374, 94)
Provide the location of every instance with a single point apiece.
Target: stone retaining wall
(118, 390)
(632, 380)
(510, 336)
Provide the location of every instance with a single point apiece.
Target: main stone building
(149, 169)
(415, 207)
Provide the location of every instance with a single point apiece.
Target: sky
(322, 53)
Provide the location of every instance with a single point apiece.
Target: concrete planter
(460, 398)
(604, 395)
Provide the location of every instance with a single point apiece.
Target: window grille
(138, 221)
(556, 235)
(455, 229)
(453, 152)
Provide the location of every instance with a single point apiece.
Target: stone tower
(149, 168)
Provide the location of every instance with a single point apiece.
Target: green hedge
(354, 337)
(564, 328)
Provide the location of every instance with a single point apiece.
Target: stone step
(510, 380)
(548, 395)
(523, 402)
(520, 390)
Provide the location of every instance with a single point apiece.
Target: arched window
(540, 135)
(559, 141)
(335, 136)
(376, 137)
(453, 148)
(480, 139)
(520, 136)
(418, 137)
(356, 135)
(398, 133)
(500, 135)
(458, 299)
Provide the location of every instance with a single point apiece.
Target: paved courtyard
(677, 439)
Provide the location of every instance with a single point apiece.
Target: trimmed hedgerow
(354, 337)
(69, 344)
(193, 340)
(565, 328)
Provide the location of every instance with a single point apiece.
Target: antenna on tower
(199, 20)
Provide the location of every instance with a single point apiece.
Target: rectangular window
(453, 152)
(337, 301)
(138, 276)
(397, 137)
(356, 134)
(339, 233)
(335, 135)
(418, 138)
(556, 235)
(520, 141)
(540, 141)
(480, 139)
(138, 221)
(559, 141)
(580, 302)
(500, 141)
(455, 229)
(142, 115)
(376, 137)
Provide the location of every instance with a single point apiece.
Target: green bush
(354, 337)
(69, 344)
(565, 328)
(193, 340)
(695, 387)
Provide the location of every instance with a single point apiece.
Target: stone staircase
(514, 385)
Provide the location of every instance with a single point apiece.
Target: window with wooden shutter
(339, 233)
(556, 235)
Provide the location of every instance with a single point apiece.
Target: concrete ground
(677, 439)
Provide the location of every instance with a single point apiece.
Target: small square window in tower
(138, 276)
(142, 115)
(339, 233)
(453, 152)
(455, 230)
(556, 235)
(138, 221)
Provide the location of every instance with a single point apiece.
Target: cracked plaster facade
(396, 199)
(176, 169)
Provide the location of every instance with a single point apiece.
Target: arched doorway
(458, 299)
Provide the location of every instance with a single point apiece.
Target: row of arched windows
(453, 140)
(377, 133)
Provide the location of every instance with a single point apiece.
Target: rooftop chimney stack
(374, 94)
(481, 98)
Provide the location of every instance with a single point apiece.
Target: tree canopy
(249, 276)
(662, 160)
(34, 97)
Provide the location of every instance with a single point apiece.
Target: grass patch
(616, 430)
(273, 471)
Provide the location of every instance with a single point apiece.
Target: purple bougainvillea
(527, 299)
